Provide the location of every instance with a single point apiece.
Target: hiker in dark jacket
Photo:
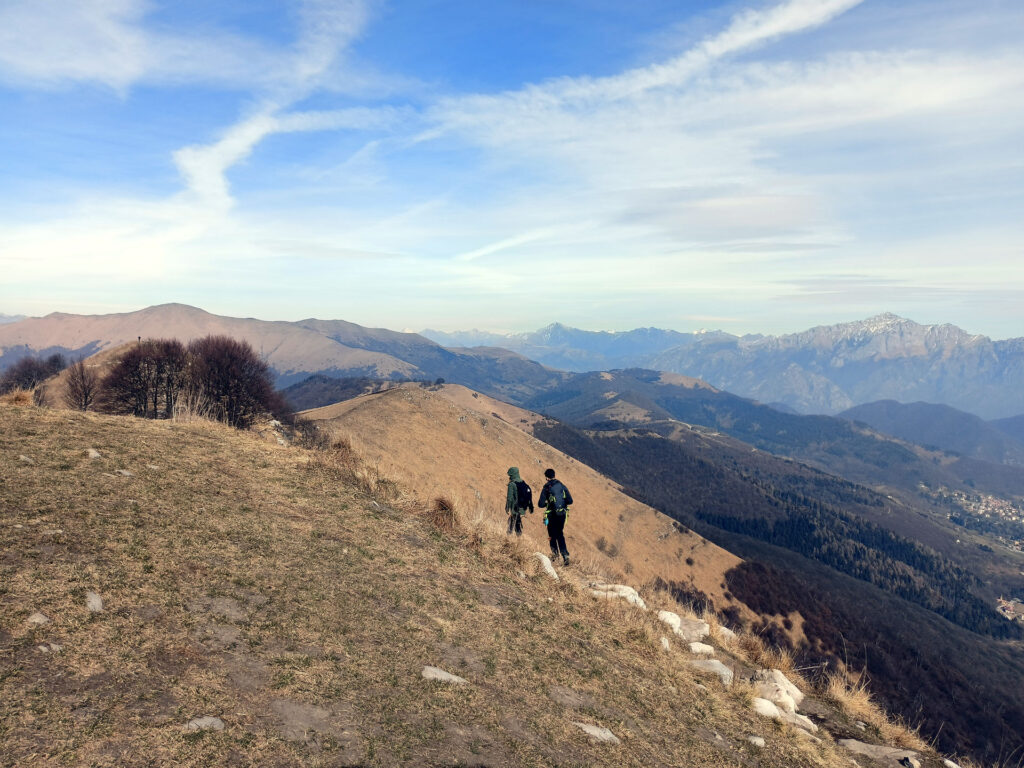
(555, 500)
(518, 500)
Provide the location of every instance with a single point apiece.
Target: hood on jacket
(513, 475)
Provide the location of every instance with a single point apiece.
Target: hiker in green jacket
(518, 499)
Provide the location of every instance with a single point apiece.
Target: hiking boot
(565, 560)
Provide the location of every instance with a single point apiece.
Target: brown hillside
(287, 347)
(431, 442)
(53, 391)
(190, 595)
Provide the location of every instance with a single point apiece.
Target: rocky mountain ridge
(825, 369)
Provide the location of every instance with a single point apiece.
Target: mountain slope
(802, 537)
(248, 584)
(836, 446)
(717, 485)
(1012, 426)
(429, 442)
(290, 350)
(940, 426)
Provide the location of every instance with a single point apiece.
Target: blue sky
(751, 166)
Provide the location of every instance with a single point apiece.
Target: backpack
(558, 497)
(525, 495)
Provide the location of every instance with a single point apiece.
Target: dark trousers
(515, 523)
(556, 524)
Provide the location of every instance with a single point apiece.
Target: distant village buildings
(1013, 609)
(1002, 519)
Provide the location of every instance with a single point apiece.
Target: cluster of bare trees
(30, 372)
(214, 377)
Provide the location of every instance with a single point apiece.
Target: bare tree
(83, 386)
(234, 378)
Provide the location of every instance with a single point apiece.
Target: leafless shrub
(311, 436)
(29, 372)
(218, 377)
(83, 386)
(235, 379)
(442, 514)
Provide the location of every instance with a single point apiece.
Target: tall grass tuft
(441, 514)
(18, 397)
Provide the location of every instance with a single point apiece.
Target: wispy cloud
(54, 43)
(505, 244)
(204, 167)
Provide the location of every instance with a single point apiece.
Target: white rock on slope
(888, 756)
(434, 673)
(773, 685)
(691, 630)
(612, 591)
(716, 667)
(597, 732)
(204, 724)
(768, 709)
(702, 649)
(545, 563)
(93, 602)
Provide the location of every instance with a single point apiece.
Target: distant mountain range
(572, 349)
(294, 350)
(826, 369)
(10, 318)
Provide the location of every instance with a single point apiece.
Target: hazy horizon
(485, 330)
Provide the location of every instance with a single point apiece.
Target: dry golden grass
(441, 446)
(851, 694)
(297, 595)
(759, 653)
(17, 397)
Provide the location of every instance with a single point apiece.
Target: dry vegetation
(297, 594)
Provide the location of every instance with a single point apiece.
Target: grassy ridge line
(243, 580)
